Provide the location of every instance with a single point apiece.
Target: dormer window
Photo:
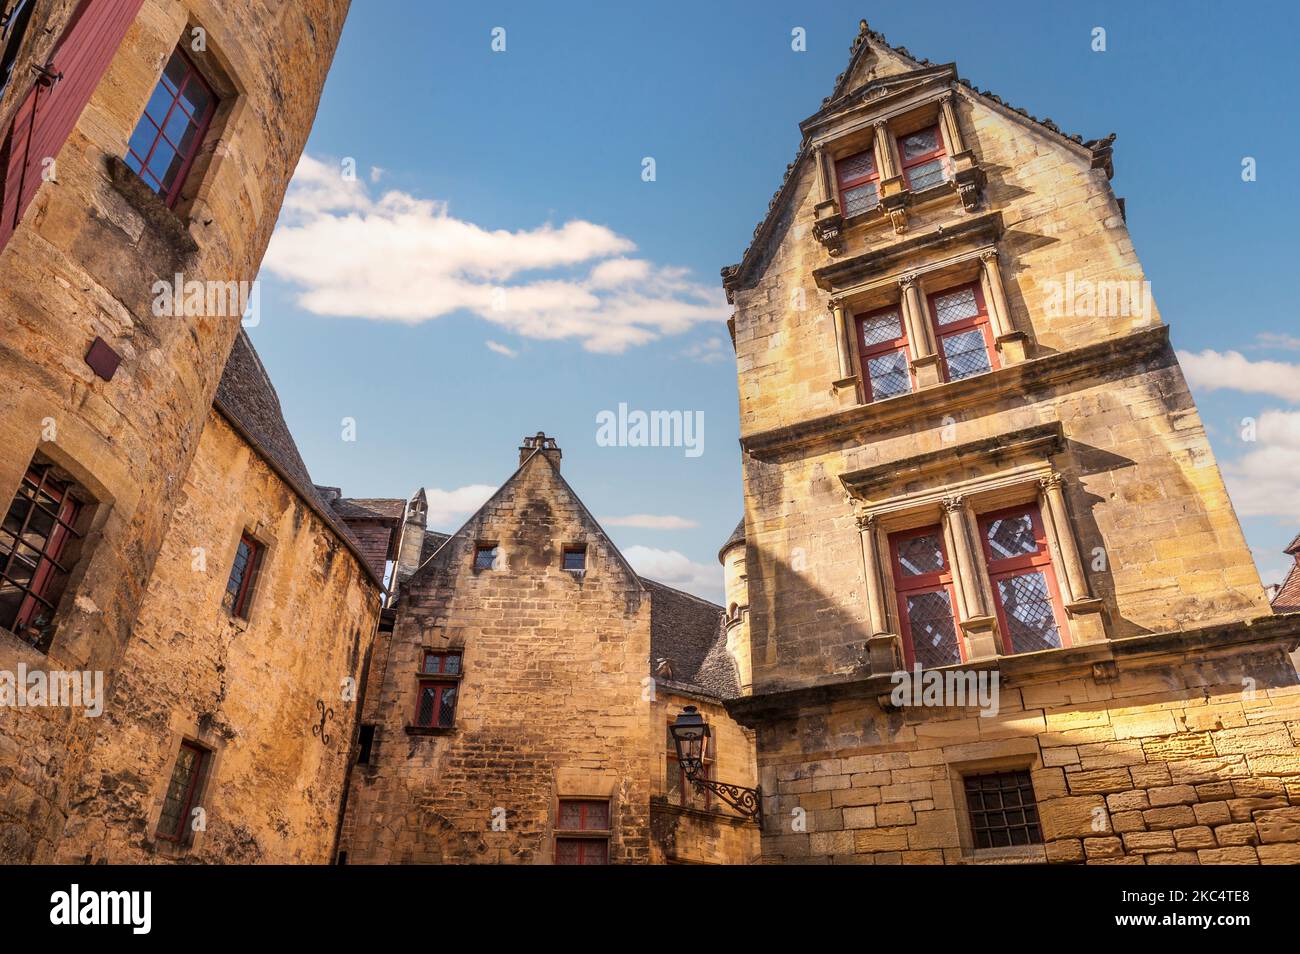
(859, 182)
(922, 155)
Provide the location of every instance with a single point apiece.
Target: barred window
(1002, 809)
(485, 556)
(36, 554)
(575, 559)
(182, 792)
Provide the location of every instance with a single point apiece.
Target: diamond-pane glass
(966, 354)
(1031, 621)
(934, 636)
(925, 175)
(888, 374)
(1012, 536)
(920, 555)
(861, 198)
(919, 143)
(880, 329)
(955, 306)
(855, 167)
(1003, 811)
(485, 558)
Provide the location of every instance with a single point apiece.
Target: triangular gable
(461, 533)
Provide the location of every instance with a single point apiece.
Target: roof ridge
(692, 596)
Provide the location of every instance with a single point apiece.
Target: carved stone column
(968, 177)
(845, 386)
(951, 127)
(1010, 342)
(1084, 609)
(893, 190)
(828, 220)
(882, 646)
(925, 360)
(977, 623)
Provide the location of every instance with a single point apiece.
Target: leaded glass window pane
(888, 374)
(925, 175)
(1031, 618)
(1012, 536)
(955, 306)
(920, 555)
(861, 198)
(881, 328)
(934, 635)
(966, 354)
(919, 143)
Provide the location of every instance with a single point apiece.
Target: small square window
(1003, 811)
(243, 577)
(439, 663)
(485, 557)
(575, 558)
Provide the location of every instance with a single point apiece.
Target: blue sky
(523, 170)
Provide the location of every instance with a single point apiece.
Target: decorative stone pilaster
(978, 624)
(883, 651)
(893, 189)
(1083, 608)
(1011, 344)
(828, 222)
(968, 177)
(925, 360)
(845, 386)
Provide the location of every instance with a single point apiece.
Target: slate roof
(1294, 546)
(370, 508)
(737, 536)
(691, 634)
(432, 542)
(247, 399)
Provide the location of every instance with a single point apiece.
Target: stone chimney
(540, 442)
(412, 540)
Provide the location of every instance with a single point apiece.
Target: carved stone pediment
(879, 94)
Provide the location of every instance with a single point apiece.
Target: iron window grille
(170, 133)
(1002, 809)
(485, 556)
(34, 539)
(575, 559)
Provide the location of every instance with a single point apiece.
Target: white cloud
(400, 258)
(676, 569)
(648, 521)
(709, 351)
(1265, 481)
(1230, 370)
(501, 349)
(448, 509)
(1273, 339)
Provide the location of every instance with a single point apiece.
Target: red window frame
(845, 182)
(866, 352)
(590, 843)
(909, 164)
(905, 586)
(443, 657)
(980, 321)
(171, 191)
(181, 834)
(242, 596)
(38, 482)
(1041, 561)
(440, 688)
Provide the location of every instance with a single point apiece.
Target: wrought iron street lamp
(691, 738)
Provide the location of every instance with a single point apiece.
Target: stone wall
(82, 264)
(251, 691)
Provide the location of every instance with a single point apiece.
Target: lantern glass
(691, 737)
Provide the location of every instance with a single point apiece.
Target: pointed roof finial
(862, 26)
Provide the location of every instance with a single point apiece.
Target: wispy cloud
(396, 257)
(1265, 481)
(709, 351)
(1231, 370)
(1276, 340)
(676, 569)
(448, 509)
(501, 349)
(649, 521)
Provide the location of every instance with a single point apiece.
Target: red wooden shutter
(48, 114)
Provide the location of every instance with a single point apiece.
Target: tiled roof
(690, 634)
(737, 536)
(370, 508)
(432, 542)
(246, 398)
(1294, 546)
(1287, 599)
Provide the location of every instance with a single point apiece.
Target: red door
(47, 115)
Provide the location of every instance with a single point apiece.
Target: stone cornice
(881, 95)
(1280, 633)
(1025, 378)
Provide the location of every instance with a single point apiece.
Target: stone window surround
(879, 131)
(1018, 755)
(909, 290)
(955, 509)
(185, 730)
(252, 527)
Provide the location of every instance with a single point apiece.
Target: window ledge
(154, 210)
(430, 729)
(1020, 855)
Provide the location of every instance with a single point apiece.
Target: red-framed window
(485, 556)
(170, 133)
(582, 832)
(882, 350)
(40, 523)
(13, 27)
(680, 790)
(960, 318)
(183, 792)
(922, 154)
(440, 662)
(1030, 612)
(859, 183)
(1002, 808)
(243, 577)
(927, 600)
(435, 707)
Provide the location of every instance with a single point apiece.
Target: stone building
(518, 704)
(971, 459)
(160, 528)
